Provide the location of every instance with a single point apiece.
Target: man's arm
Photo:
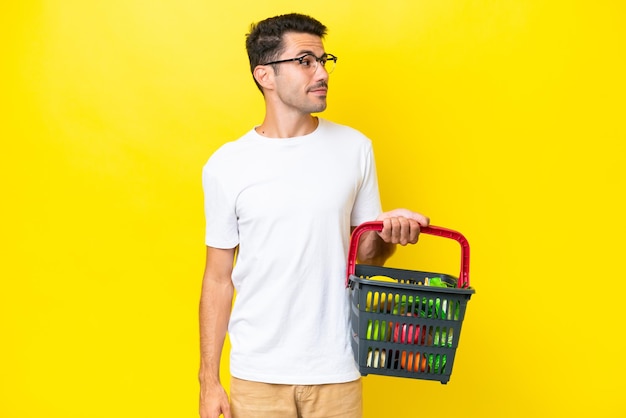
(215, 306)
(400, 226)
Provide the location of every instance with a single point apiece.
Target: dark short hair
(264, 42)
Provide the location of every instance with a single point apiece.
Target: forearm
(215, 306)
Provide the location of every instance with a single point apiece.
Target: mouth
(319, 90)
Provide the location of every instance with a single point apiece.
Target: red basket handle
(439, 231)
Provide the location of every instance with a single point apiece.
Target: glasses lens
(310, 62)
(329, 62)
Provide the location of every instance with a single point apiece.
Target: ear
(264, 75)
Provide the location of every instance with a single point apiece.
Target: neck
(287, 126)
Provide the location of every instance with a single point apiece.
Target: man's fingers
(400, 230)
(406, 213)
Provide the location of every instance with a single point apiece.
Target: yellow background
(501, 119)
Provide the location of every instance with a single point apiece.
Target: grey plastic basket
(404, 327)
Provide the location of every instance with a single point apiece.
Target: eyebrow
(308, 51)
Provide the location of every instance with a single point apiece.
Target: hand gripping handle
(463, 281)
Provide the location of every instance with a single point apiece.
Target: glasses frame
(318, 60)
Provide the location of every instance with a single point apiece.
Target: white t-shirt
(289, 205)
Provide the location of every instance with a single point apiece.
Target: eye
(307, 61)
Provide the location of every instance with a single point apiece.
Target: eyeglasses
(309, 62)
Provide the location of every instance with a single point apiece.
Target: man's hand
(401, 226)
(213, 401)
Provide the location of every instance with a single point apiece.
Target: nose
(321, 72)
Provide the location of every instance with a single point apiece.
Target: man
(280, 203)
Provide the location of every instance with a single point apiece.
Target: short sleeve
(221, 229)
(367, 205)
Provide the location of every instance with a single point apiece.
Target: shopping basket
(409, 325)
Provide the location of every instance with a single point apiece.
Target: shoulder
(344, 134)
(339, 129)
(224, 155)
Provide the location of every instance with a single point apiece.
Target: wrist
(208, 375)
(373, 249)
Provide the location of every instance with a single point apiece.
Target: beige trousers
(263, 400)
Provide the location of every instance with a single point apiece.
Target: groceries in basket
(399, 304)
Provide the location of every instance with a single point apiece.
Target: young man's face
(301, 88)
